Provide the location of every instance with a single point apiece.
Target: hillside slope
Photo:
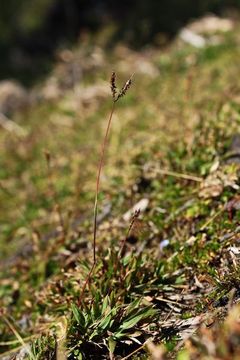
(174, 152)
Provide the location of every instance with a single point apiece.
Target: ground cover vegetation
(165, 281)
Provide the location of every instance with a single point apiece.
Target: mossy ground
(172, 130)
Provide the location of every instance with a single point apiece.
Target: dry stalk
(116, 95)
(57, 207)
(18, 336)
(134, 218)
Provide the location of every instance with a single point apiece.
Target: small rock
(202, 32)
(233, 154)
(235, 250)
(141, 205)
(211, 24)
(215, 183)
(13, 97)
(163, 244)
(191, 38)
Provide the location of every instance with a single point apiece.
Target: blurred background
(31, 31)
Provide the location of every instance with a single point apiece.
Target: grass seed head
(124, 89)
(113, 86)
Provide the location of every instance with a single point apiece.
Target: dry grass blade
(18, 337)
(61, 353)
(179, 175)
(136, 351)
(212, 218)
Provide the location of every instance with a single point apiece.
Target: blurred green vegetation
(30, 31)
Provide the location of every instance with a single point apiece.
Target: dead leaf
(156, 351)
(215, 183)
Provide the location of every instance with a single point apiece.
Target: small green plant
(103, 324)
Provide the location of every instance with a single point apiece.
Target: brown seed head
(113, 86)
(47, 155)
(124, 89)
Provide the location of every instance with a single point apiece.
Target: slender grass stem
(100, 166)
(116, 96)
(95, 212)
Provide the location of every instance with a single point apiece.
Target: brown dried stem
(99, 171)
(132, 223)
(95, 212)
(100, 166)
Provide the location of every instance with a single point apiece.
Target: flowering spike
(113, 86)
